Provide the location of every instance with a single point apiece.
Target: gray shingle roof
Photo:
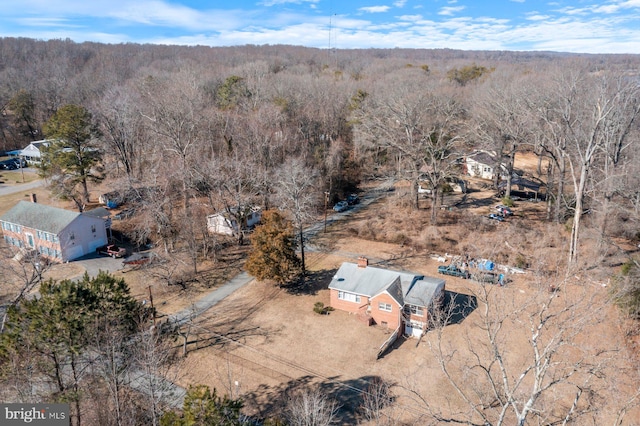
(422, 291)
(416, 289)
(40, 217)
(483, 158)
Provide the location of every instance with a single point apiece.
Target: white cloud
(537, 17)
(375, 9)
(449, 11)
(410, 17)
(278, 2)
(590, 29)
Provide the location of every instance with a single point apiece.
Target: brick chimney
(363, 262)
(33, 198)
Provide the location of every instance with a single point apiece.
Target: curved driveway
(11, 189)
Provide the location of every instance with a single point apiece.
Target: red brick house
(388, 298)
(57, 234)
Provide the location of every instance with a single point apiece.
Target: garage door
(93, 245)
(73, 253)
(413, 329)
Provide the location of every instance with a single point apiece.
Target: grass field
(8, 201)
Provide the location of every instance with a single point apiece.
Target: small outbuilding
(226, 222)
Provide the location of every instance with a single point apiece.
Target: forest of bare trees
(187, 131)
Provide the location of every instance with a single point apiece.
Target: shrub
(507, 201)
(521, 261)
(319, 308)
(625, 290)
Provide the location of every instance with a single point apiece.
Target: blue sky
(585, 26)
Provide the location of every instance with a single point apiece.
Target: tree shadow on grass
(458, 306)
(270, 401)
(312, 283)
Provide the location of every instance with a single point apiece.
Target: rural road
(12, 189)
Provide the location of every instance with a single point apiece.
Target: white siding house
(482, 164)
(57, 234)
(225, 223)
(31, 153)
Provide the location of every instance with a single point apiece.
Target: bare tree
(295, 188)
(151, 374)
(498, 385)
(121, 128)
(376, 400)
(502, 117)
(27, 273)
(420, 127)
(310, 407)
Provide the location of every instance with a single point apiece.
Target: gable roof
(483, 157)
(395, 291)
(40, 216)
(421, 292)
(34, 147)
(404, 287)
(99, 212)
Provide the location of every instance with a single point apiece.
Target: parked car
(489, 277)
(504, 210)
(341, 206)
(112, 250)
(497, 217)
(353, 199)
(124, 214)
(453, 270)
(8, 165)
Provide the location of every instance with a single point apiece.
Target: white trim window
(384, 306)
(349, 297)
(414, 310)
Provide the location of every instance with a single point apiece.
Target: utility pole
(326, 201)
(153, 311)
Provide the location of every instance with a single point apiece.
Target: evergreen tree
(203, 408)
(274, 250)
(72, 159)
(50, 335)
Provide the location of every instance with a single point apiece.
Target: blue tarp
(486, 265)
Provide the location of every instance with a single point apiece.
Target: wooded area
(189, 131)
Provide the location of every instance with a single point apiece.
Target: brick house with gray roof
(389, 298)
(57, 234)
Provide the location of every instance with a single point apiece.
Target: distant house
(388, 298)
(32, 153)
(225, 223)
(457, 185)
(57, 234)
(482, 164)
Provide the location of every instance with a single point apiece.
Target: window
(384, 307)
(6, 226)
(72, 236)
(414, 310)
(349, 297)
(93, 229)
